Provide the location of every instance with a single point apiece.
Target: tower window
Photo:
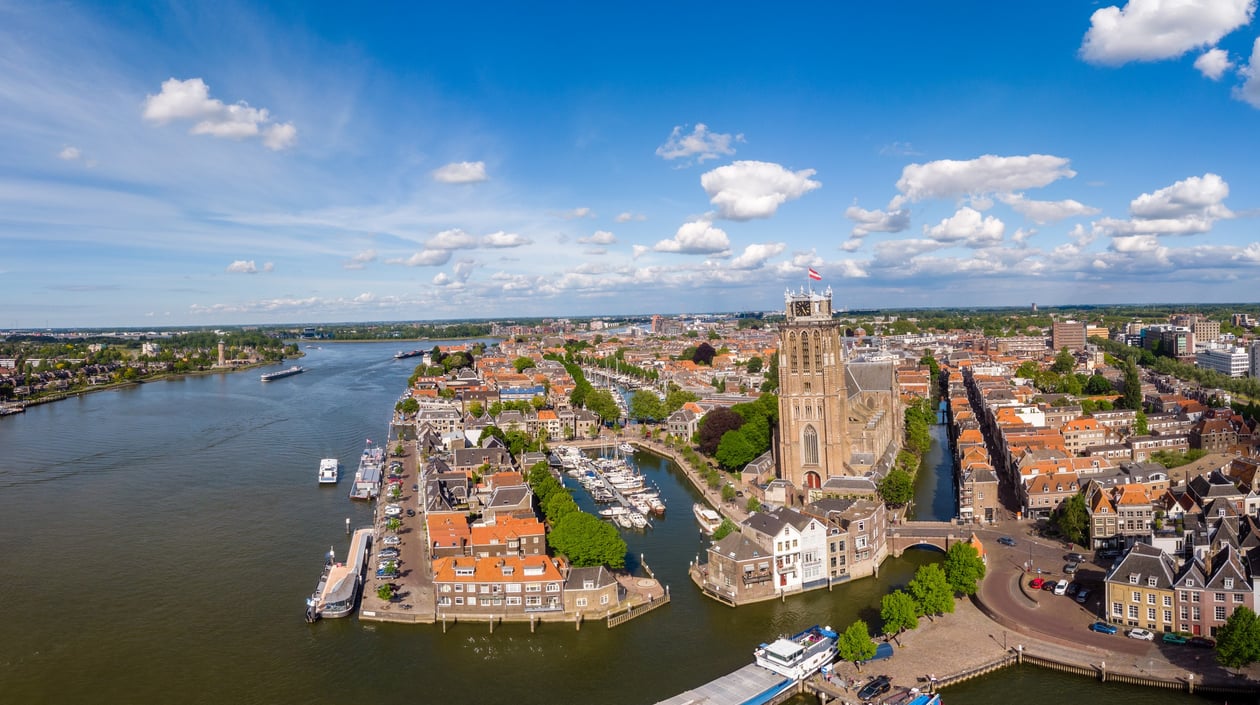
(810, 449)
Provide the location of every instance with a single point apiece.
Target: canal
(159, 542)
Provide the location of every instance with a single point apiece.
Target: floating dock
(750, 685)
(339, 586)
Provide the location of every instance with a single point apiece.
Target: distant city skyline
(240, 163)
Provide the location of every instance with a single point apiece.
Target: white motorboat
(329, 471)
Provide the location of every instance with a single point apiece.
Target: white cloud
(69, 154)
(851, 269)
(242, 266)
(190, 100)
(700, 144)
(756, 254)
(454, 239)
(744, 190)
(577, 213)
(502, 239)
(1135, 243)
(1042, 212)
(949, 178)
(1213, 63)
(877, 221)
(599, 237)
(361, 260)
(424, 258)
(1249, 91)
(460, 173)
(637, 251)
(1195, 196)
(1020, 236)
(698, 237)
(1150, 30)
(901, 149)
(894, 253)
(628, 216)
(969, 227)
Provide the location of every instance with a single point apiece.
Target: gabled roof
(739, 547)
(1144, 562)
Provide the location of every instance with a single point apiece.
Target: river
(159, 542)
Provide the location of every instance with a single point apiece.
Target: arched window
(791, 344)
(818, 351)
(810, 446)
(804, 351)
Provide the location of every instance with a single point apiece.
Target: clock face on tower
(801, 308)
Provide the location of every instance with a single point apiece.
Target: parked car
(1142, 634)
(1108, 554)
(1006, 540)
(1082, 596)
(391, 540)
(1037, 583)
(1103, 628)
(383, 574)
(1070, 568)
(389, 552)
(877, 686)
(393, 510)
(411, 512)
(1060, 588)
(1073, 588)
(1049, 585)
(1201, 642)
(1174, 638)
(1074, 558)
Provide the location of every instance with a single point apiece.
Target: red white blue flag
(813, 274)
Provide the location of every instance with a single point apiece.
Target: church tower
(813, 398)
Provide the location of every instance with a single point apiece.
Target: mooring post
(1190, 683)
(492, 625)
(1102, 671)
(531, 624)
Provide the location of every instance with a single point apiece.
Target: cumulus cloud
(599, 237)
(1213, 63)
(502, 239)
(851, 269)
(424, 258)
(967, 226)
(628, 216)
(242, 266)
(637, 251)
(697, 237)
(190, 101)
(756, 254)
(700, 144)
(361, 260)
(69, 154)
(1150, 30)
(949, 178)
(577, 213)
(877, 221)
(1042, 212)
(454, 239)
(744, 190)
(894, 253)
(460, 173)
(1249, 91)
(1197, 195)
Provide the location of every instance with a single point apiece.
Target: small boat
(272, 376)
(329, 470)
(708, 519)
(626, 448)
(799, 655)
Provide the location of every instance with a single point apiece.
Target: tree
(601, 402)
(675, 399)
(754, 364)
(522, 363)
(1140, 426)
(963, 568)
(897, 488)
(587, 541)
(385, 592)
(1027, 369)
(728, 493)
(1071, 519)
(934, 368)
(1132, 398)
(855, 643)
(734, 451)
(726, 528)
(477, 409)
(753, 505)
(646, 406)
(704, 354)
(931, 590)
(1064, 362)
(714, 425)
(1238, 640)
(899, 613)
(1098, 384)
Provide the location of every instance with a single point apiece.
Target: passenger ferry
(340, 583)
(329, 470)
(708, 519)
(799, 655)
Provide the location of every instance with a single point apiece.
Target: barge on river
(273, 376)
(340, 583)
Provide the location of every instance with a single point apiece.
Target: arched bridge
(938, 534)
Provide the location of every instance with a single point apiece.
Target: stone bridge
(937, 534)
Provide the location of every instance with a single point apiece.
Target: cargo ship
(272, 376)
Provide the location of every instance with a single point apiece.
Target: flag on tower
(813, 274)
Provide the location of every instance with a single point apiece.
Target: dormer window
(1229, 583)
(1189, 583)
(1133, 579)
(1151, 581)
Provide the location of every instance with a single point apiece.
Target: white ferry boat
(799, 655)
(329, 470)
(708, 519)
(340, 584)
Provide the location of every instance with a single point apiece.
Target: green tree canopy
(714, 425)
(724, 529)
(752, 505)
(675, 399)
(601, 402)
(1098, 384)
(1140, 426)
(897, 487)
(899, 613)
(646, 406)
(1132, 398)
(1072, 519)
(1238, 640)
(855, 643)
(931, 590)
(1064, 362)
(754, 364)
(587, 541)
(522, 363)
(963, 568)
(734, 451)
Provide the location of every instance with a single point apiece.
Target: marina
(273, 376)
(340, 583)
(612, 480)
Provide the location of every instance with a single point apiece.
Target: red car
(1037, 583)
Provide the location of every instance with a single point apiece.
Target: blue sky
(219, 163)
